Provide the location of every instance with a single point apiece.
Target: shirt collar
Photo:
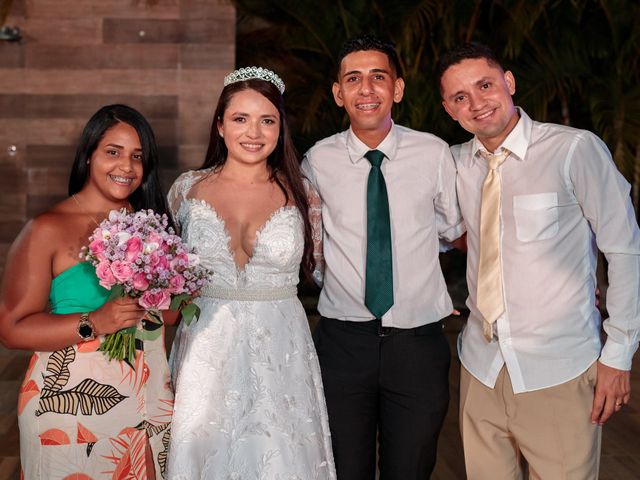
(357, 147)
(517, 142)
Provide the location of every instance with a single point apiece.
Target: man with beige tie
(538, 201)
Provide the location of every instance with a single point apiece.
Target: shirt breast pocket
(536, 216)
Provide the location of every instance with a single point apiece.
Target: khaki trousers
(550, 429)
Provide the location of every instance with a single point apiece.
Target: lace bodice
(279, 242)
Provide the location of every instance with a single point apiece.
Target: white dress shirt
(420, 177)
(562, 200)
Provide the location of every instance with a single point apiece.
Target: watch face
(85, 330)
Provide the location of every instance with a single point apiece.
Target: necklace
(84, 211)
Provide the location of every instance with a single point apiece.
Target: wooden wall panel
(103, 8)
(208, 9)
(41, 156)
(166, 31)
(81, 31)
(12, 55)
(121, 56)
(167, 58)
(104, 81)
(83, 106)
(204, 56)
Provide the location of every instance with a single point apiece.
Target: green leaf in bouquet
(190, 311)
(178, 300)
(117, 291)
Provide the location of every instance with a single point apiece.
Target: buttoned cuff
(618, 355)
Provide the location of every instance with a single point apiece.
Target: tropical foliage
(576, 62)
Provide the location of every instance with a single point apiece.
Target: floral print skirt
(83, 417)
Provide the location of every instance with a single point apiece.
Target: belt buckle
(384, 331)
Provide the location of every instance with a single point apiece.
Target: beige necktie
(489, 295)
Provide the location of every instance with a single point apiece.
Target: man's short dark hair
(370, 42)
(462, 52)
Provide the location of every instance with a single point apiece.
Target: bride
(249, 400)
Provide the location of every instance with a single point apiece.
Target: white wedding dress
(249, 402)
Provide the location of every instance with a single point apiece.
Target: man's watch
(86, 330)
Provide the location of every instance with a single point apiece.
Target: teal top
(77, 290)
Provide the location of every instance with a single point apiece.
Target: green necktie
(378, 296)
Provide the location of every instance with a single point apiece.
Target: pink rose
(121, 270)
(154, 238)
(97, 247)
(163, 263)
(176, 284)
(104, 273)
(154, 258)
(134, 247)
(158, 299)
(140, 281)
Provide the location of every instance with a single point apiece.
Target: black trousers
(389, 381)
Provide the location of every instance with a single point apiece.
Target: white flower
(123, 237)
(150, 247)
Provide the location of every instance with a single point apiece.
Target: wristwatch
(86, 330)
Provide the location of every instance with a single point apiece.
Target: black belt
(375, 327)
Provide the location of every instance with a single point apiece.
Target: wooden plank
(83, 105)
(9, 231)
(194, 131)
(47, 155)
(41, 131)
(134, 82)
(137, 8)
(76, 31)
(210, 30)
(165, 131)
(208, 9)
(12, 106)
(197, 56)
(18, 9)
(13, 206)
(12, 180)
(203, 82)
(12, 54)
(125, 56)
(54, 9)
(47, 181)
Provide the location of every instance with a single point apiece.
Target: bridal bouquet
(136, 255)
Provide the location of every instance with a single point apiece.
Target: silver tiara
(248, 73)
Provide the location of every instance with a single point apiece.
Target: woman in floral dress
(82, 416)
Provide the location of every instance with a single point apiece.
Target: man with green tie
(388, 195)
